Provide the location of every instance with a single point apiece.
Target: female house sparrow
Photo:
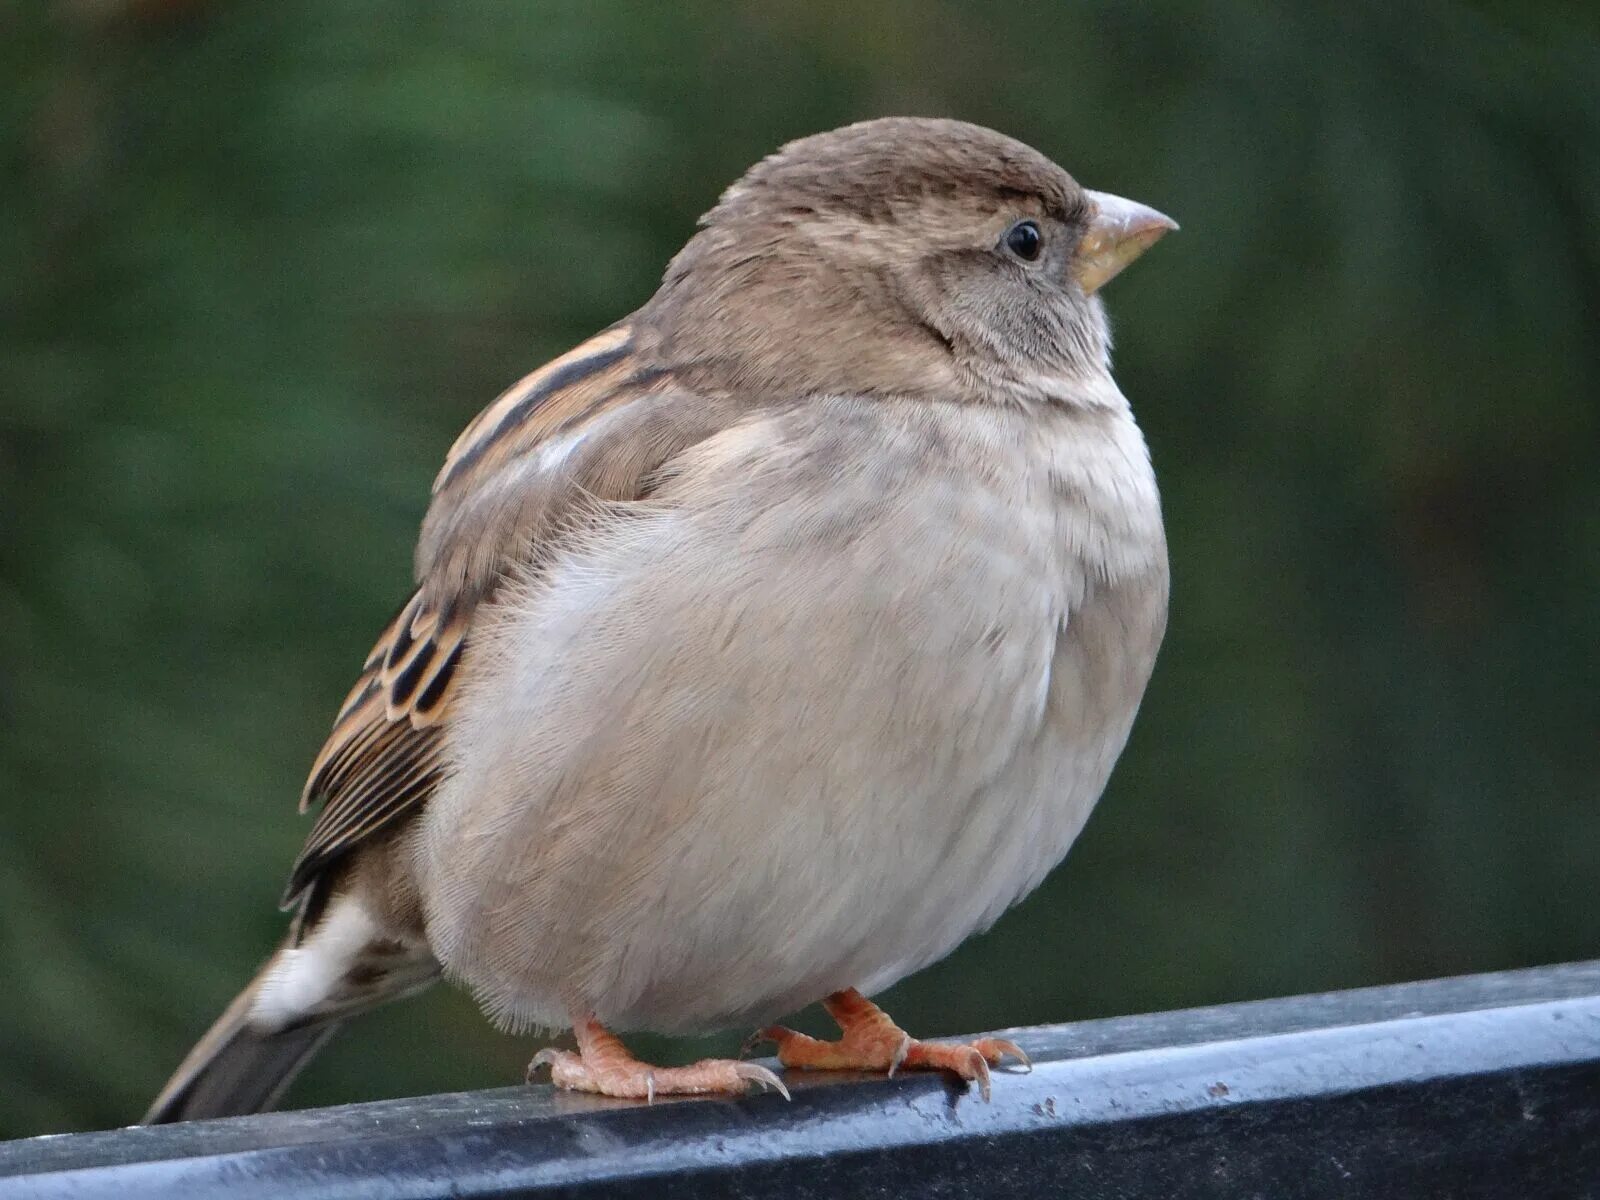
(764, 647)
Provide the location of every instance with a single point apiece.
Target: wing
(595, 423)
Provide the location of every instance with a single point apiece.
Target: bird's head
(910, 256)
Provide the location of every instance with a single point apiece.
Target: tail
(236, 1068)
(297, 1001)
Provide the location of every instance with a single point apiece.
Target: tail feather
(296, 1002)
(236, 1068)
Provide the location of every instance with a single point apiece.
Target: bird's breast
(844, 691)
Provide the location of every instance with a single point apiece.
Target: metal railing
(1485, 1085)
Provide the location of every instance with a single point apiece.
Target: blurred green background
(260, 262)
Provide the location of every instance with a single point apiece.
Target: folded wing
(594, 424)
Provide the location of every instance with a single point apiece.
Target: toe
(715, 1075)
(776, 1035)
(569, 1071)
(797, 1050)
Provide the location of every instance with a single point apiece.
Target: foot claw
(900, 1052)
(545, 1058)
(980, 1074)
(996, 1050)
(764, 1079)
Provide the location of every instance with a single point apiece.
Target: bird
(764, 647)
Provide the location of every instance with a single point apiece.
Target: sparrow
(764, 647)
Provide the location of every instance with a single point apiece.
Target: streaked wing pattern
(383, 757)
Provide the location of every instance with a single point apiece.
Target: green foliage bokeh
(259, 263)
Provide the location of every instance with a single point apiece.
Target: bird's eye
(1024, 240)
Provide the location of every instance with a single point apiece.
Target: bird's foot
(603, 1065)
(871, 1041)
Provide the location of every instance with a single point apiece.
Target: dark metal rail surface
(1483, 1086)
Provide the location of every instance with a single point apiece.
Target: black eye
(1024, 240)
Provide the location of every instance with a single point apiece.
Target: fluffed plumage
(764, 646)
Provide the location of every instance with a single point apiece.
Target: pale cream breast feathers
(802, 720)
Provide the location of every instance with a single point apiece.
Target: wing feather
(596, 422)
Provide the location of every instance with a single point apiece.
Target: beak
(1119, 231)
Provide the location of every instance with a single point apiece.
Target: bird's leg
(871, 1041)
(603, 1065)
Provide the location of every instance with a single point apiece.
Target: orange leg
(871, 1041)
(603, 1065)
